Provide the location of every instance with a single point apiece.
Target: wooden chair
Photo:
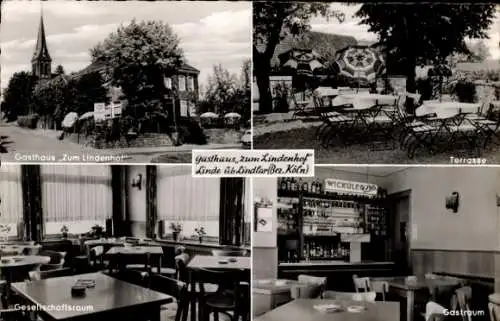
(177, 289)
(57, 260)
(381, 287)
(42, 275)
(362, 284)
(464, 295)
(351, 296)
(13, 314)
(494, 311)
(434, 312)
(231, 299)
(313, 280)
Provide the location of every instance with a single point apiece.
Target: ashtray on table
(328, 308)
(356, 308)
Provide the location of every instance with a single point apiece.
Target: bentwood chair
(179, 290)
(494, 311)
(57, 260)
(362, 284)
(42, 275)
(464, 296)
(231, 298)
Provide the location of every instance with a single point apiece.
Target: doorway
(400, 229)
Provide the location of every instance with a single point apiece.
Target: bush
(191, 132)
(28, 121)
(465, 91)
(424, 87)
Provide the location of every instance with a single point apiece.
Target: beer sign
(348, 187)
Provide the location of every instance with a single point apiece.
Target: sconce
(137, 181)
(452, 202)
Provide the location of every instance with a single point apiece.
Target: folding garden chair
(335, 126)
(301, 102)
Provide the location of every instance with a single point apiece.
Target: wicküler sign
(348, 187)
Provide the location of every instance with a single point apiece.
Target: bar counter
(339, 273)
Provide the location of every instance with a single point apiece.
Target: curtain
(11, 194)
(232, 211)
(151, 201)
(193, 202)
(76, 193)
(182, 197)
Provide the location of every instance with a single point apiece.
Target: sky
(351, 27)
(210, 32)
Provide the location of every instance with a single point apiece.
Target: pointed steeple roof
(41, 50)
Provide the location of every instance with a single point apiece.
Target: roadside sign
(99, 111)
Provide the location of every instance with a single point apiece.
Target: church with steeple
(41, 63)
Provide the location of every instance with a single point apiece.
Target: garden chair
(301, 101)
(335, 126)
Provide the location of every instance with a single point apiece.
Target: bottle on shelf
(283, 184)
(305, 186)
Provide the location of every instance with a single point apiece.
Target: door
(400, 226)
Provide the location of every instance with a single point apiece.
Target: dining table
(363, 100)
(214, 263)
(446, 109)
(306, 309)
(18, 249)
(16, 268)
(131, 253)
(105, 298)
(268, 294)
(408, 288)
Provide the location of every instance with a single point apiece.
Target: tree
(138, 57)
(85, 91)
(419, 34)
(479, 51)
(60, 70)
(246, 81)
(17, 95)
(272, 22)
(226, 93)
(221, 87)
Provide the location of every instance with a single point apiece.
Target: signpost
(104, 112)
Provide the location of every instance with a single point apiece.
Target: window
(168, 82)
(184, 108)
(11, 196)
(192, 108)
(76, 196)
(182, 83)
(193, 202)
(190, 83)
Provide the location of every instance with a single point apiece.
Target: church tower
(41, 61)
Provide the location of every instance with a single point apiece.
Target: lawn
(304, 138)
(173, 157)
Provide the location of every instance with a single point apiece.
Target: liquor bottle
(312, 187)
(319, 187)
(283, 184)
(305, 187)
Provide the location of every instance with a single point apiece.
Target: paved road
(32, 147)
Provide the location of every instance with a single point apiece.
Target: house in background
(178, 105)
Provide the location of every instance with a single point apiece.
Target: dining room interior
(113, 242)
(377, 243)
